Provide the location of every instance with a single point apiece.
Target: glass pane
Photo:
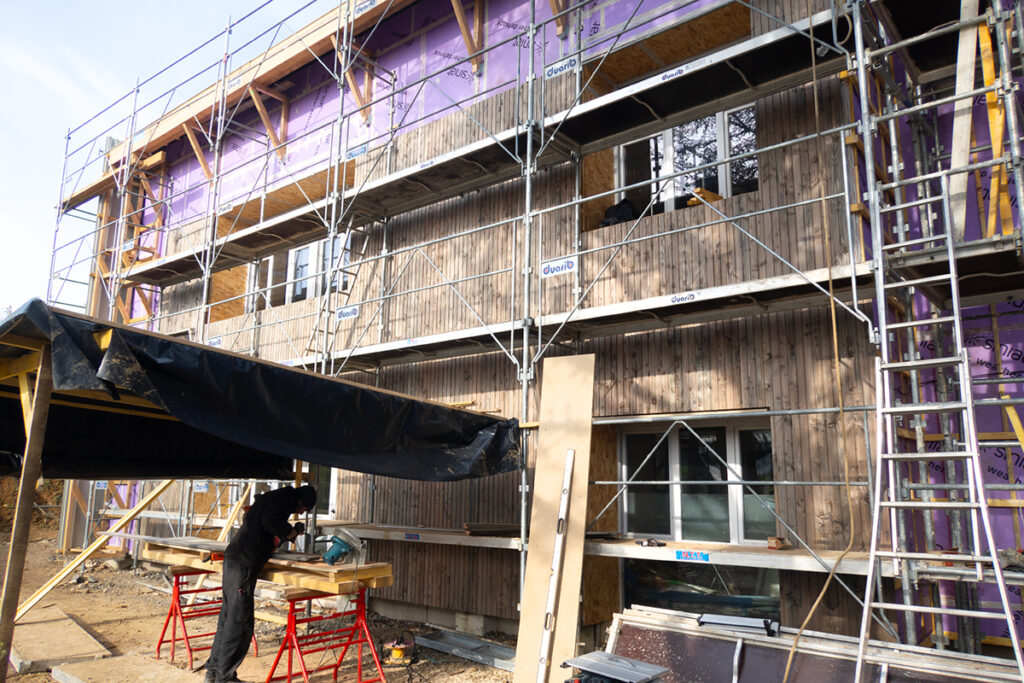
(300, 270)
(705, 509)
(320, 479)
(647, 506)
(330, 256)
(756, 465)
(742, 139)
(692, 587)
(695, 144)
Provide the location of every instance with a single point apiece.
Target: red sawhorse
(181, 612)
(341, 638)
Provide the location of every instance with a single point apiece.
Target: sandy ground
(118, 609)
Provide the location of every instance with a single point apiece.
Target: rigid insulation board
(233, 416)
(566, 411)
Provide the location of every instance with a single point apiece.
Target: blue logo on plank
(693, 555)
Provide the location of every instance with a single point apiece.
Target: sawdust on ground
(122, 609)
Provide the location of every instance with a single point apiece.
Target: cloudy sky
(61, 63)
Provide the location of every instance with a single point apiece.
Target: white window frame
(735, 491)
(316, 278)
(332, 505)
(671, 200)
(309, 279)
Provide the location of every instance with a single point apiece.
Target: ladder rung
(931, 279)
(927, 557)
(892, 246)
(910, 204)
(922, 363)
(924, 609)
(941, 320)
(934, 455)
(937, 407)
(925, 505)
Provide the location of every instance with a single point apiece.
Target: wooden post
(31, 466)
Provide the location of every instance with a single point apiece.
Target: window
(297, 272)
(333, 256)
(697, 511)
(692, 145)
(326, 254)
(694, 587)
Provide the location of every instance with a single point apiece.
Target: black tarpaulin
(216, 414)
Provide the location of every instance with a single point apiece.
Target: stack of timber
(284, 569)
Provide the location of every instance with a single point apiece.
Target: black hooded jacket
(267, 518)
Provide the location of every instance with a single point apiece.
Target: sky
(62, 62)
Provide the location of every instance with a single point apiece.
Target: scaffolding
(189, 216)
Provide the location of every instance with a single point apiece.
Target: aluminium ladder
(960, 500)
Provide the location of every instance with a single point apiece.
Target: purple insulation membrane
(421, 42)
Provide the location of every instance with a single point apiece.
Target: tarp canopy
(133, 404)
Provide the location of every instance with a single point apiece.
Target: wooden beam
(77, 496)
(967, 47)
(112, 490)
(26, 392)
(190, 134)
(556, 7)
(998, 197)
(473, 43)
(91, 550)
(21, 342)
(265, 118)
(31, 467)
(106, 182)
(12, 367)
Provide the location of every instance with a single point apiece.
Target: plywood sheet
(34, 637)
(566, 410)
(132, 667)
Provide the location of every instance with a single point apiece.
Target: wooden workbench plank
(337, 581)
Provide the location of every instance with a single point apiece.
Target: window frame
(666, 143)
(735, 503)
(316, 278)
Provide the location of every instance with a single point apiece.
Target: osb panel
(601, 574)
(225, 284)
(601, 596)
(603, 467)
(679, 44)
(598, 176)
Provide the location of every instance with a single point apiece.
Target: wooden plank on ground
(33, 650)
(566, 411)
(123, 669)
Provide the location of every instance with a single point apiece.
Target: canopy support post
(36, 407)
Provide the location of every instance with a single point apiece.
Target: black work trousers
(235, 624)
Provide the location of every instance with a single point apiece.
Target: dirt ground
(121, 609)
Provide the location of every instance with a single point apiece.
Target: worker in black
(264, 527)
